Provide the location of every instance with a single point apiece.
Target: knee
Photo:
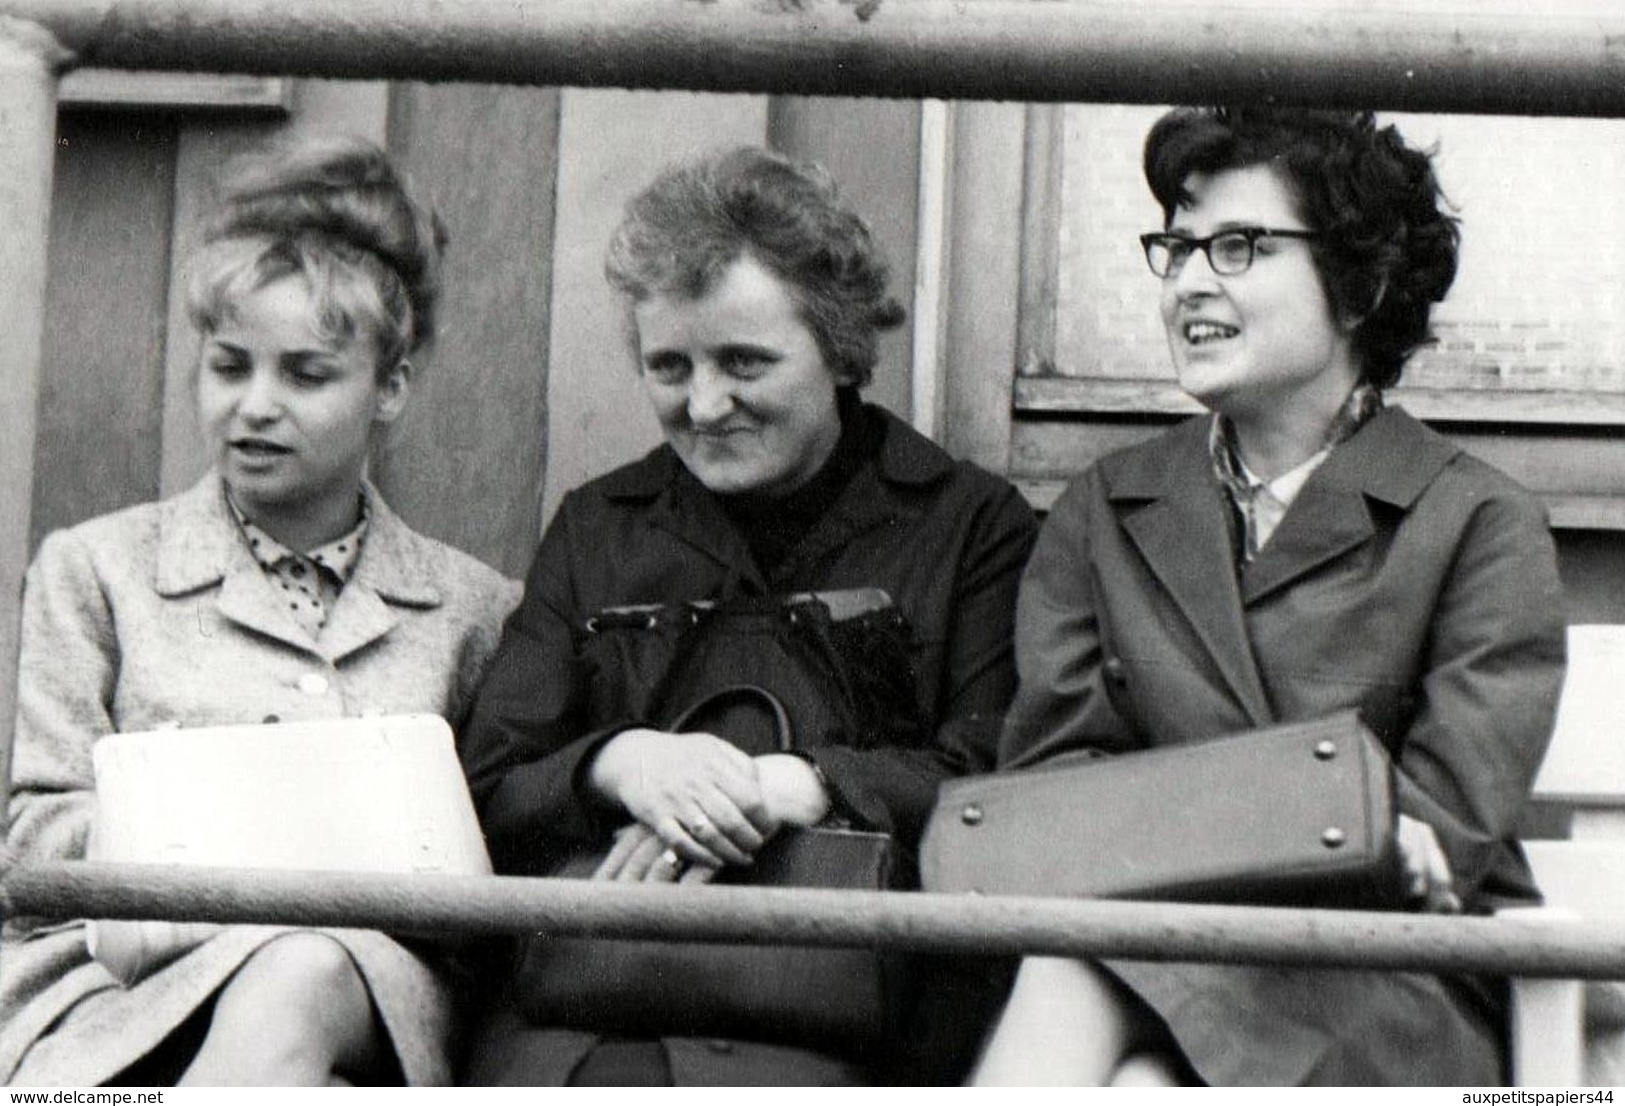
(297, 1012)
(298, 969)
(305, 957)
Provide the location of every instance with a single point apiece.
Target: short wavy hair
(1387, 249)
(695, 220)
(338, 213)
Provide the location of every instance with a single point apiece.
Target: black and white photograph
(812, 543)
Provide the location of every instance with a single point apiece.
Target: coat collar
(681, 505)
(1175, 512)
(1390, 461)
(200, 546)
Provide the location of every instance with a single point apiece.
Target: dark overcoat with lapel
(1407, 580)
(158, 615)
(944, 539)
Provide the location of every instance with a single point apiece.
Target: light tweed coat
(158, 615)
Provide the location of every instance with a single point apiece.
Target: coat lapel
(1391, 460)
(905, 458)
(1174, 512)
(1324, 522)
(396, 569)
(680, 506)
(200, 546)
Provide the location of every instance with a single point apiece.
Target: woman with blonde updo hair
(279, 587)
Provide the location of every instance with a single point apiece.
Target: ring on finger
(698, 824)
(670, 859)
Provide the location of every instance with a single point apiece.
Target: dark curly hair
(695, 220)
(336, 211)
(1387, 248)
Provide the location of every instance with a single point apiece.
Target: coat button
(1114, 671)
(313, 683)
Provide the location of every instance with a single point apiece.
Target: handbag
(1295, 814)
(382, 793)
(846, 1001)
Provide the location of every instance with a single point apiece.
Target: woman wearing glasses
(1301, 550)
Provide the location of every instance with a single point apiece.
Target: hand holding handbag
(840, 1000)
(1300, 814)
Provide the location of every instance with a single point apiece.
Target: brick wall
(1537, 303)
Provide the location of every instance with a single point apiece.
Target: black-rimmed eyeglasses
(1229, 252)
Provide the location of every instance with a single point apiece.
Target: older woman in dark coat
(1304, 549)
(755, 299)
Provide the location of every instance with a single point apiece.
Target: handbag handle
(783, 732)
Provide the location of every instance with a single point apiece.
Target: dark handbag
(840, 663)
(1299, 814)
(840, 1000)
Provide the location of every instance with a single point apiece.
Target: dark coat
(944, 539)
(1407, 580)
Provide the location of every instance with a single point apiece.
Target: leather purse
(1295, 814)
(838, 1000)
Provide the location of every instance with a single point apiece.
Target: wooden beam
(1524, 62)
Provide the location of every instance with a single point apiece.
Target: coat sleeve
(68, 668)
(894, 789)
(523, 748)
(1061, 705)
(1488, 687)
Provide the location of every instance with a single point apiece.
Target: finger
(643, 860)
(1416, 881)
(698, 873)
(627, 839)
(1442, 900)
(730, 836)
(1442, 896)
(688, 850)
(668, 867)
(745, 796)
(1413, 853)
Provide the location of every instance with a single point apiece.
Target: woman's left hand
(791, 796)
(1427, 872)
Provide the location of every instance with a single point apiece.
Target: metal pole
(742, 915)
(29, 57)
(1058, 50)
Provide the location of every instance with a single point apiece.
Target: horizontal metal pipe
(928, 922)
(1517, 63)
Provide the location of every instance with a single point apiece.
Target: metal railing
(959, 923)
(986, 49)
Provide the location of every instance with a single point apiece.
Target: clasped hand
(697, 803)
